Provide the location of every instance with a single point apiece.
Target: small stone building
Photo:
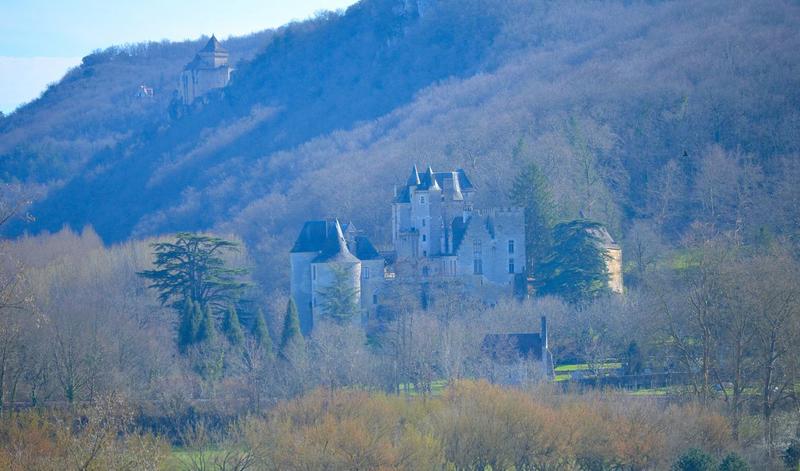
(208, 71)
(613, 258)
(519, 358)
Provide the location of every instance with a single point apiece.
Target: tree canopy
(576, 267)
(531, 191)
(339, 299)
(192, 268)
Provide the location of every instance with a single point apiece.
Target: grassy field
(585, 367)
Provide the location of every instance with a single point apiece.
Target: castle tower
(323, 250)
(208, 71)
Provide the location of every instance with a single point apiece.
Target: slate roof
(213, 46)
(364, 249)
(509, 348)
(459, 230)
(327, 238)
(603, 237)
(431, 179)
(334, 249)
(312, 237)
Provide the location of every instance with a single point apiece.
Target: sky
(42, 39)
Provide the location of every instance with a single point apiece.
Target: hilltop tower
(208, 71)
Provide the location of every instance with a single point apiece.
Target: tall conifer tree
(208, 330)
(291, 338)
(231, 327)
(531, 191)
(261, 333)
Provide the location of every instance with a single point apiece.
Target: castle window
(424, 237)
(421, 200)
(477, 256)
(425, 272)
(365, 273)
(423, 223)
(374, 299)
(510, 246)
(313, 272)
(511, 265)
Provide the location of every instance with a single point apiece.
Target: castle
(436, 234)
(208, 71)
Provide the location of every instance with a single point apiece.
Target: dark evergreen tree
(291, 338)
(187, 329)
(791, 456)
(694, 460)
(531, 191)
(191, 316)
(192, 267)
(734, 462)
(576, 267)
(231, 326)
(339, 300)
(261, 333)
(207, 332)
(634, 360)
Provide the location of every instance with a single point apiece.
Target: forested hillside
(95, 107)
(158, 331)
(654, 116)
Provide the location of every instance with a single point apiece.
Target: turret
(431, 180)
(413, 179)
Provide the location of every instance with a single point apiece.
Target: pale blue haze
(42, 39)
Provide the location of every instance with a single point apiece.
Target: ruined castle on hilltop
(208, 71)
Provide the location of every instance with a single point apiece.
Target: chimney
(543, 333)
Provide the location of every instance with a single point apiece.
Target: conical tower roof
(413, 179)
(335, 249)
(431, 179)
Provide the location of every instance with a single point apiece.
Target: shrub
(733, 462)
(791, 456)
(694, 460)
